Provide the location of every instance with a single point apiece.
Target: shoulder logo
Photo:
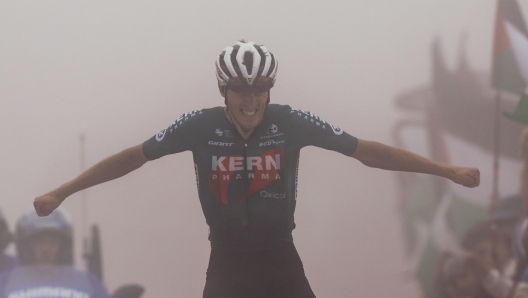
(272, 129)
(219, 132)
(336, 129)
(160, 135)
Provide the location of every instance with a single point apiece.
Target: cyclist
(246, 157)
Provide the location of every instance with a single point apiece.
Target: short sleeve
(180, 136)
(311, 130)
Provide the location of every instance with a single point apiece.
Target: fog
(120, 71)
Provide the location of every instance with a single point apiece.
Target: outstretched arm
(108, 169)
(377, 155)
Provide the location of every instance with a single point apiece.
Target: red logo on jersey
(260, 170)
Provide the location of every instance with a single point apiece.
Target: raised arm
(108, 169)
(377, 155)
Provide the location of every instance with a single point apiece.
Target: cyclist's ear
(222, 90)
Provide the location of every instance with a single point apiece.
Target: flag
(454, 126)
(510, 49)
(521, 112)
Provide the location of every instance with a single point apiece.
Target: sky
(120, 71)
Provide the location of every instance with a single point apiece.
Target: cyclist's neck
(243, 131)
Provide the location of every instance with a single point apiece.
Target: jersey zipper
(245, 219)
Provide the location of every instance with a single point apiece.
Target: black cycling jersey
(248, 187)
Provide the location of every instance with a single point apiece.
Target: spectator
(7, 263)
(459, 281)
(474, 274)
(505, 217)
(45, 251)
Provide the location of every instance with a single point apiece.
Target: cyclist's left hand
(468, 177)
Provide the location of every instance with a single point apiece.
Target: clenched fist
(468, 177)
(45, 204)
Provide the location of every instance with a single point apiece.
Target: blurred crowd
(494, 258)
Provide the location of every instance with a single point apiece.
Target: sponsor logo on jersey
(270, 142)
(313, 118)
(296, 178)
(197, 177)
(272, 136)
(186, 116)
(161, 135)
(258, 171)
(222, 144)
(272, 129)
(183, 117)
(272, 195)
(223, 133)
(307, 115)
(172, 126)
(265, 162)
(336, 129)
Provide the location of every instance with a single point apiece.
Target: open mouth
(249, 113)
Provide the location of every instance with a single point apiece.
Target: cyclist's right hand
(45, 204)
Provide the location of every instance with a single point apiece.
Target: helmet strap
(225, 93)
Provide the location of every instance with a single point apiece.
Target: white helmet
(246, 66)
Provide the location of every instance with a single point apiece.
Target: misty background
(120, 71)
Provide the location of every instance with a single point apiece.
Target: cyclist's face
(246, 110)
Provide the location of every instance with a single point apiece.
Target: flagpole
(496, 152)
(84, 213)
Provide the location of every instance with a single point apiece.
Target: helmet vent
(248, 61)
(272, 66)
